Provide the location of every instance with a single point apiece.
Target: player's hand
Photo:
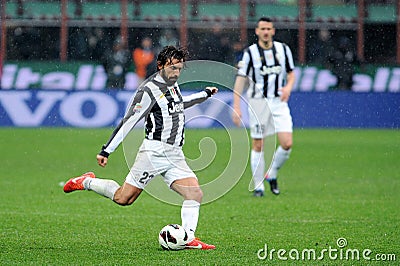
(285, 94)
(213, 90)
(102, 160)
(237, 117)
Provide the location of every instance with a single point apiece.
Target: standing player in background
(161, 104)
(269, 65)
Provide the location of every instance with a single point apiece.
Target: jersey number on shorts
(146, 178)
(260, 129)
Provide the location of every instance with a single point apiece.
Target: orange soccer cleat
(76, 183)
(197, 244)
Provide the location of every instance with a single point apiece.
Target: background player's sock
(280, 158)
(103, 187)
(190, 216)
(258, 168)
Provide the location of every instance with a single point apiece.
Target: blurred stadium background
(339, 183)
(60, 26)
(60, 45)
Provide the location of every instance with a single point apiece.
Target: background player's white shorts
(158, 158)
(268, 116)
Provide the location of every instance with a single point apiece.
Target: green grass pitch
(337, 184)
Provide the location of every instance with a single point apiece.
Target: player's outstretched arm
(199, 97)
(141, 105)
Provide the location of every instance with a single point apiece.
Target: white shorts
(268, 116)
(158, 158)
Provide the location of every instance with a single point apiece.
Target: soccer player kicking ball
(160, 103)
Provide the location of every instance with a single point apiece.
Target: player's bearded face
(265, 31)
(170, 71)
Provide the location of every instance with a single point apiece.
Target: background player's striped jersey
(162, 107)
(267, 69)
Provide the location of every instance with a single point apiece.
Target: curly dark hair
(171, 52)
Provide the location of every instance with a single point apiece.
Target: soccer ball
(172, 237)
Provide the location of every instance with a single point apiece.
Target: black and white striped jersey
(267, 69)
(162, 108)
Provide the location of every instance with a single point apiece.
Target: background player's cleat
(76, 183)
(197, 244)
(273, 183)
(258, 193)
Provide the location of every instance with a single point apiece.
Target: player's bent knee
(125, 200)
(126, 195)
(122, 201)
(287, 145)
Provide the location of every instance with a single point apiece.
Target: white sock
(258, 167)
(280, 158)
(103, 187)
(190, 216)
